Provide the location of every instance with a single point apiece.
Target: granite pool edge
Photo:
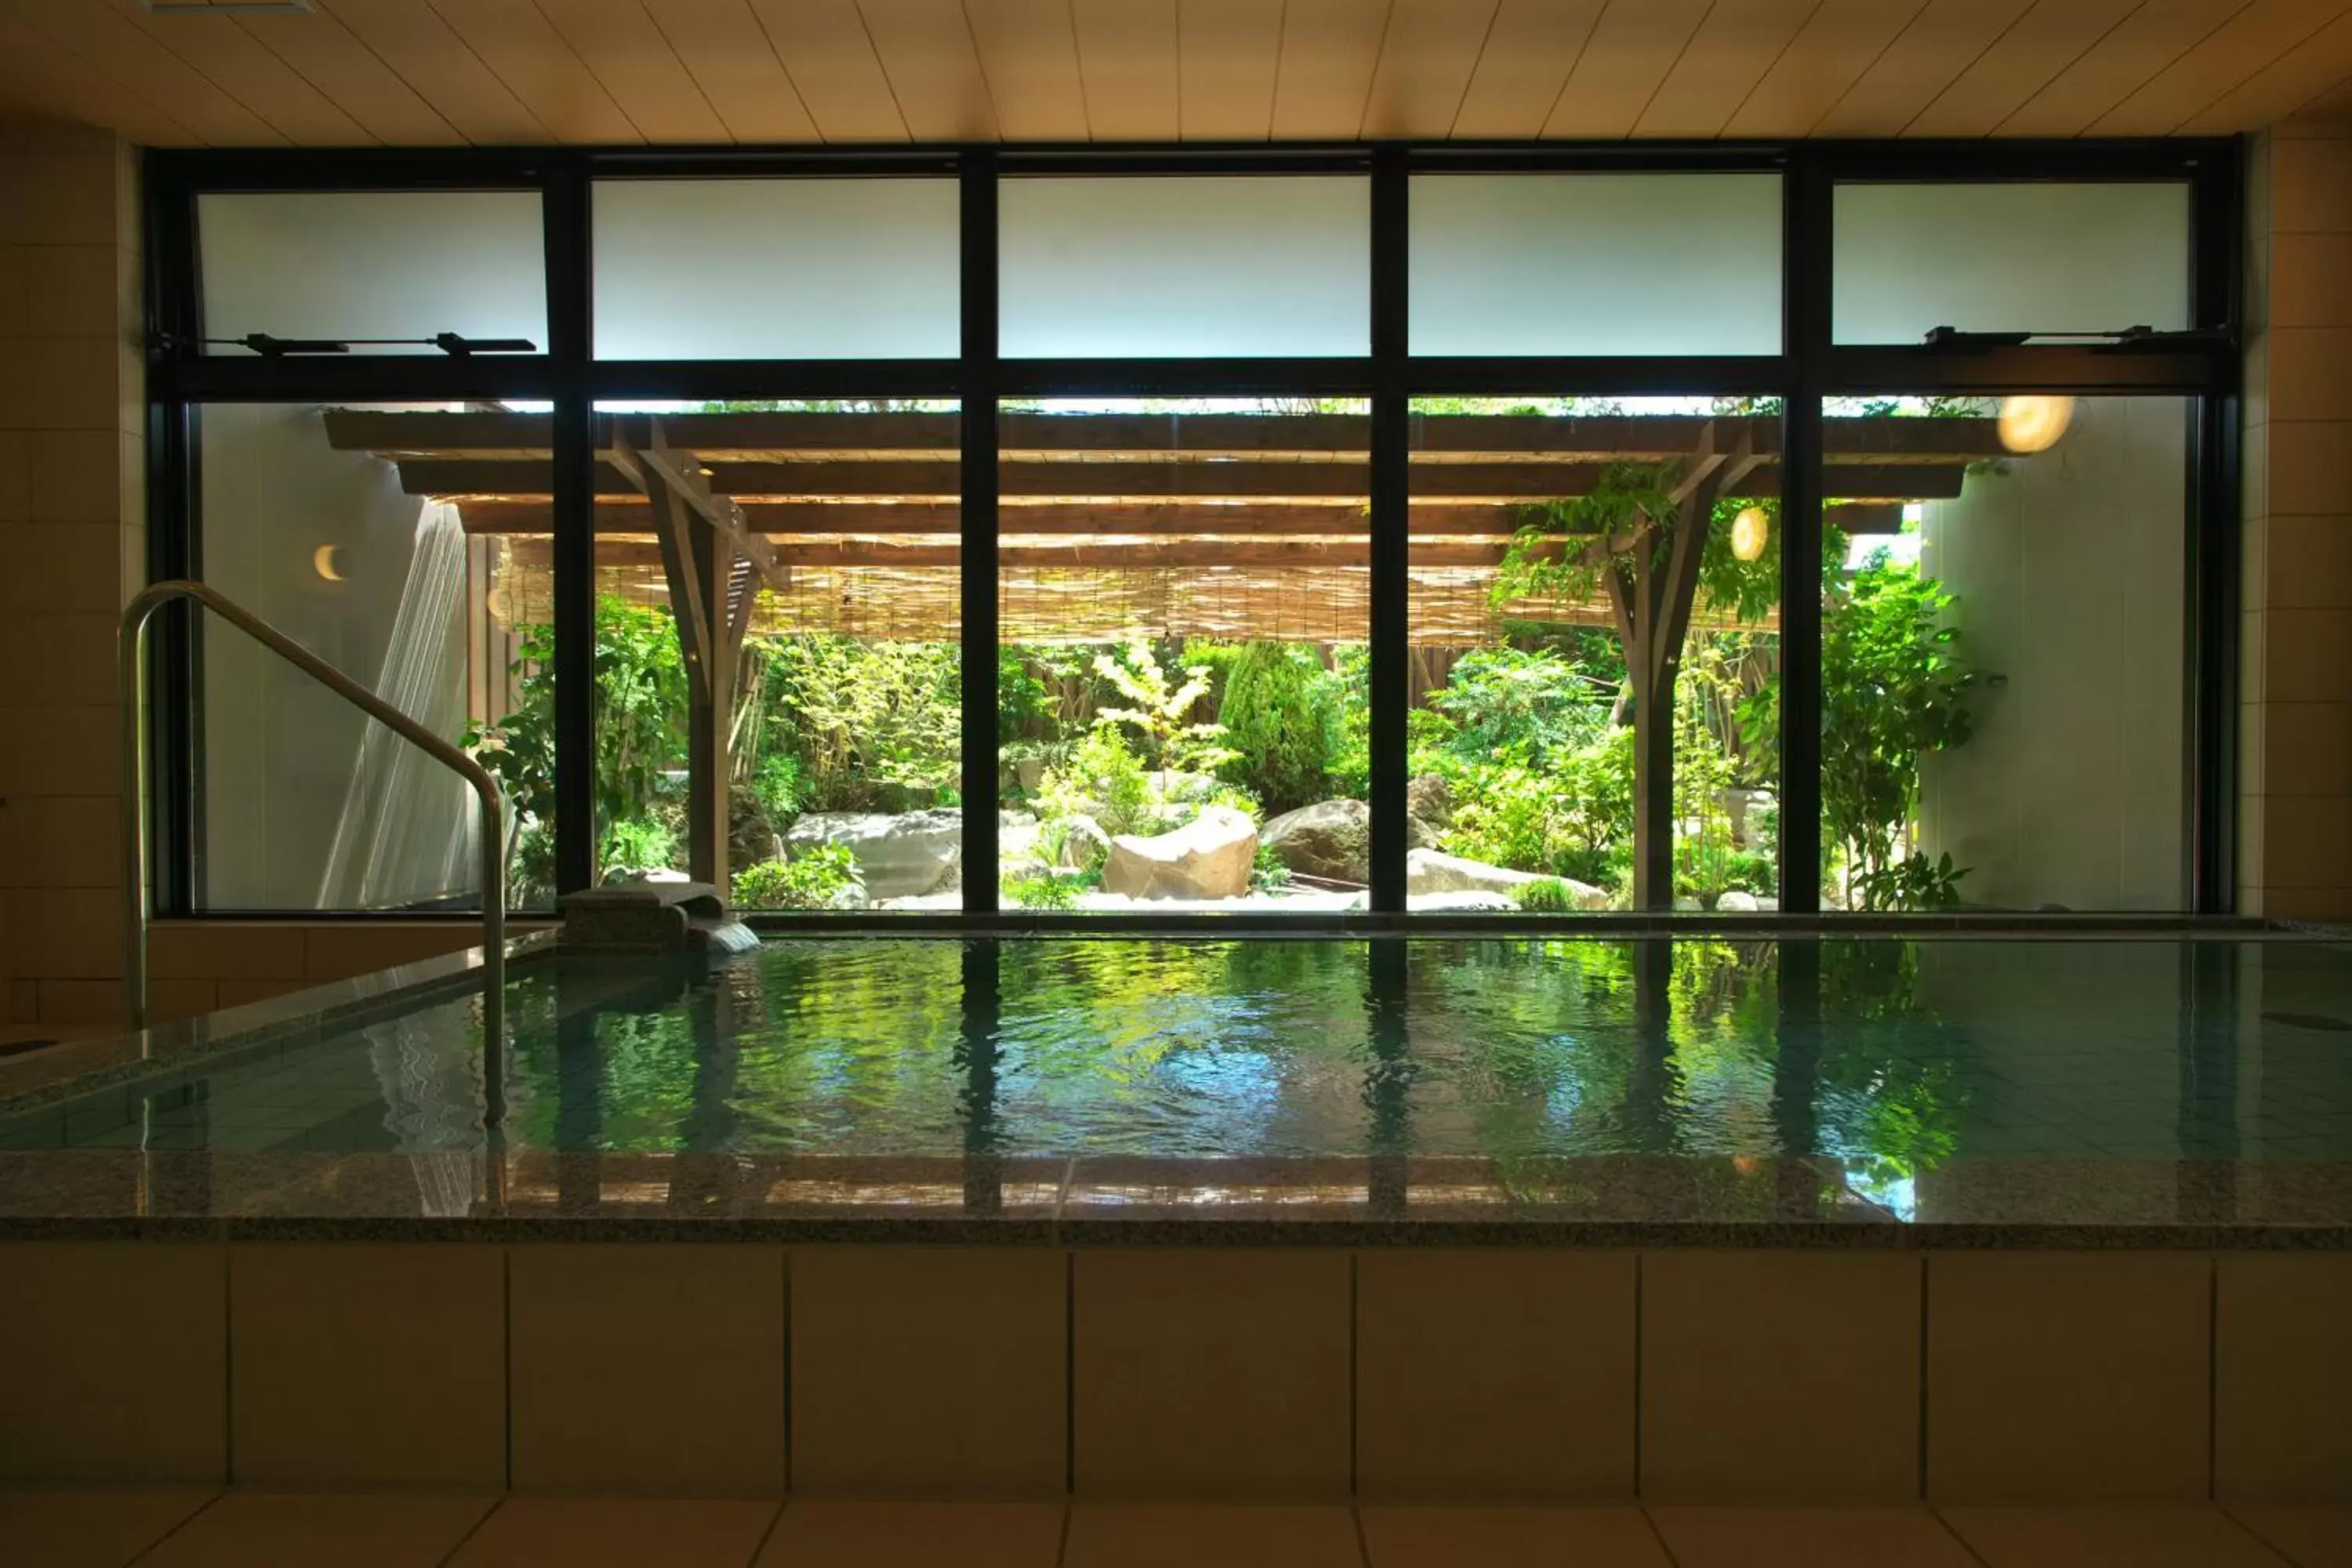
(1226, 1233)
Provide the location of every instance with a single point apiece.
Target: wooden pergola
(1232, 526)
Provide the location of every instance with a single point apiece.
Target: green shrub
(1267, 873)
(1549, 896)
(1510, 704)
(638, 843)
(1282, 716)
(815, 878)
(1042, 890)
(871, 726)
(1160, 711)
(1103, 780)
(780, 784)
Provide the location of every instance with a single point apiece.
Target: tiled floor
(60, 1529)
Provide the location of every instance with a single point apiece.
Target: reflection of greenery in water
(1886, 1067)
(1513, 1048)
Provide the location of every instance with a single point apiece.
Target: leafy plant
(1267, 873)
(1103, 780)
(875, 726)
(638, 843)
(1914, 882)
(640, 716)
(1281, 710)
(815, 878)
(1511, 703)
(1547, 896)
(780, 784)
(1160, 711)
(1042, 890)
(1893, 689)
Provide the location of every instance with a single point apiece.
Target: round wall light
(322, 561)
(2034, 423)
(1751, 532)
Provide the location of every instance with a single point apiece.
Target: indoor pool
(1882, 1055)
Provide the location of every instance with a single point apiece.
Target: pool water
(1888, 1055)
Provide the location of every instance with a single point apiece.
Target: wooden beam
(1142, 555)
(1136, 483)
(1597, 437)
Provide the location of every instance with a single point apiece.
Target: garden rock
(1738, 902)
(1430, 871)
(1456, 903)
(1331, 840)
(1428, 798)
(1209, 858)
(899, 855)
(1083, 844)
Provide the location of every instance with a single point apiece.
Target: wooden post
(1653, 615)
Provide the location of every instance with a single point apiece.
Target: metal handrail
(133, 671)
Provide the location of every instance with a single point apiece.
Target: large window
(357, 529)
(1594, 655)
(1184, 598)
(1477, 534)
(775, 268)
(2002, 658)
(1596, 264)
(377, 273)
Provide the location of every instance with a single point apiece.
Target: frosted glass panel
(374, 264)
(776, 270)
(2009, 258)
(1596, 264)
(1170, 268)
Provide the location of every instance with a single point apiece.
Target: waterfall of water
(407, 826)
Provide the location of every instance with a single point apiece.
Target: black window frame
(2204, 369)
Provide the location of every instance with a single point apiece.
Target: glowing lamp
(2034, 423)
(1751, 532)
(322, 561)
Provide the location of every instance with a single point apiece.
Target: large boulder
(1428, 807)
(1433, 871)
(1427, 872)
(1331, 840)
(1209, 858)
(900, 855)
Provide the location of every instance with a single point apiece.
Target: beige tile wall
(1774, 1376)
(2295, 713)
(72, 545)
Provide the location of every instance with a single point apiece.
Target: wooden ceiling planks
(1329, 51)
(830, 56)
(2018, 65)
(529, 57)
(723, 47)
(1228, 54)
(1934, 47)
(927, 51)
(245, 69)
(1729, 53)
(2104, 74)
(1531, 47)
(411, 40)
(1838, 42)
(1632, 48)
(355, 77)
(1029, 51)
(2291, 85)
(618, 40)
(1130, 84)
(2248, 43)
(1427, 54)
(40, 80)
(108, 44)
